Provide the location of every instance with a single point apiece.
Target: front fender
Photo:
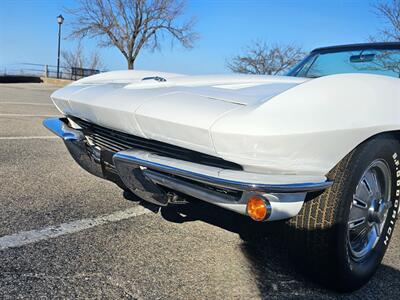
(308, 129)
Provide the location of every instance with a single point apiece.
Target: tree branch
(131, 25)
(261, 58)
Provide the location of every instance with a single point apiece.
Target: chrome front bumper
(157, 178)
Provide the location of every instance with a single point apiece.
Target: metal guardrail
(43, 70)
(77, 73)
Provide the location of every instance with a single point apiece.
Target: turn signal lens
(257, 208)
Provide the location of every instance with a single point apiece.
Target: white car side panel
(308, 129)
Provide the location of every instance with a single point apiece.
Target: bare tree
(390, 13)
(383, 60)
(131, 25)
(261, 58)
(77, 58)
(386, 61)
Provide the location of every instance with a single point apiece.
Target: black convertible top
(387, 45)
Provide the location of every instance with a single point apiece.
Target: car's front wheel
(341, 236)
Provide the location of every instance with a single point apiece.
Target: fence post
(46, 71)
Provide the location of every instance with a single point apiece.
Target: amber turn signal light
(258, 208)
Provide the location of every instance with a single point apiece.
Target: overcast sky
(28, 31)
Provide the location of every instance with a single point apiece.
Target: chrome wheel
(369, 208)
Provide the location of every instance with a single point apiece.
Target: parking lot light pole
(60, 20)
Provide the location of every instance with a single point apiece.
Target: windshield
(373, 61)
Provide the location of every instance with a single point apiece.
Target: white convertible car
(318, 148)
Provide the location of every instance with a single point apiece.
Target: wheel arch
(389, 134)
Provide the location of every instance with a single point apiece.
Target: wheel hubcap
(369, 208)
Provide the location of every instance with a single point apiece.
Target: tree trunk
(131, 64)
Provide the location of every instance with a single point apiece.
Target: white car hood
(179, 110)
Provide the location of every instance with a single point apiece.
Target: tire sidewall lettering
(395, 202)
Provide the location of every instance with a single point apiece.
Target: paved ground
(133, 253)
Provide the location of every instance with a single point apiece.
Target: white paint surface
(267, 124)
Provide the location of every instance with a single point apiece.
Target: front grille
(115, 141)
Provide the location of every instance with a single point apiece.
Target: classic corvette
(319, 148)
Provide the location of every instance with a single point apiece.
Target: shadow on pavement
(273, 271)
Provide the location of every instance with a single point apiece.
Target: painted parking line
(43, 137)
(27, 103)
(26, 115)
(34, 236)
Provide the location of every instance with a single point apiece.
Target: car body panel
(268, 124)
(310, 128)
(180, 110)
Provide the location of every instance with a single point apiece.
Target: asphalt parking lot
(67, 234)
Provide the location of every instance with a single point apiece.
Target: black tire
(318, 235)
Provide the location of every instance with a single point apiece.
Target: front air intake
(115, 141)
